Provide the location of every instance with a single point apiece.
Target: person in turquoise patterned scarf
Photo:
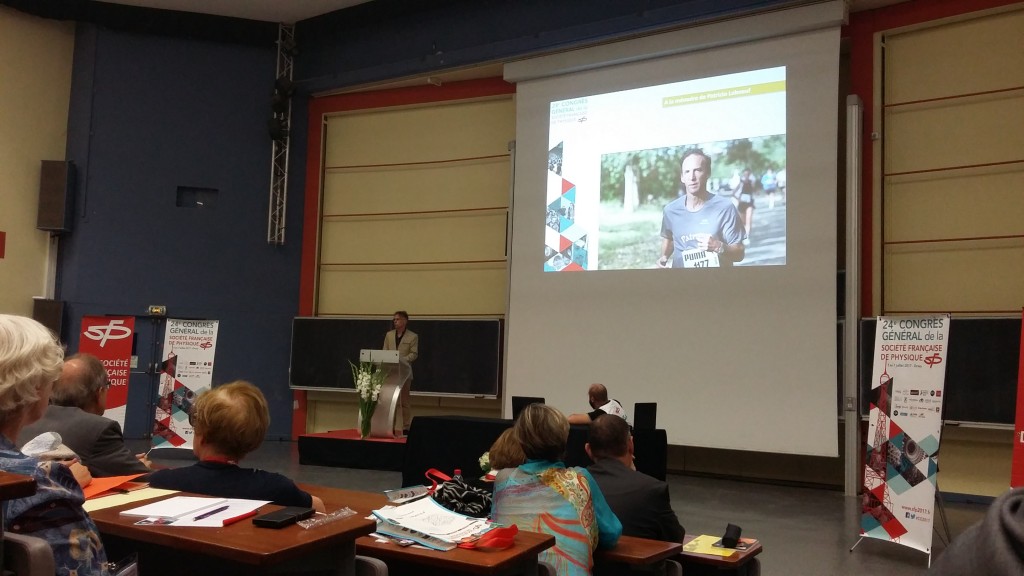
(30, 362)
(542, 495)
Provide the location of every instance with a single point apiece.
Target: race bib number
(696, 258)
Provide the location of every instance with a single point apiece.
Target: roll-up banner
(109, 338)
(905, 423)
(186, 369)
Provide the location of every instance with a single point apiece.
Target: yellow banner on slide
(724, 94)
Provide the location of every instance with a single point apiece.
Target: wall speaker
(49, 313)
(56, 196)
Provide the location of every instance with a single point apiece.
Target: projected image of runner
(684, 175)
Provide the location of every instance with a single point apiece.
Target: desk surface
(525, 550)
(242, 542)
(735, 560)
(636, 551)
(16, 486)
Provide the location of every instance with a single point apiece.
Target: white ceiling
(290, 11)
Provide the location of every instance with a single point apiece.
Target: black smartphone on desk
(283, 517)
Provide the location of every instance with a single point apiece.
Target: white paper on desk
(429, 517)
(184, 509)
(236, 507)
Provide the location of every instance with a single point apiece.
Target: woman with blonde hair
(542, 495)
(30, 362)
(506, 452)
(229, 422)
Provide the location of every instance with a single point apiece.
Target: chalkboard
(456, 357)
(981, 369)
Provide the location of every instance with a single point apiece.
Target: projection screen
(688, 180)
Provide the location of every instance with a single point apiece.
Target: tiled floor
(804, 531)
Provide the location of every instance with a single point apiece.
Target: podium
(382, 423)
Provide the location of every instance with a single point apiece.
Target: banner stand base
(859, 540)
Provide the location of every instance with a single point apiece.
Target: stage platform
(345, 449)
(450, 442)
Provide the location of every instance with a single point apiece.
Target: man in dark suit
(75, 412)
(640, 501)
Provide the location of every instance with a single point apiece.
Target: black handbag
(457, 495)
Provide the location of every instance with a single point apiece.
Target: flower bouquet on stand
(485, 466)
(368, 377)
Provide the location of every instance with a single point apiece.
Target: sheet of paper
(429, 517)
(235, 507)
(119, 499)
(176, 507)
(100, 485)
(704, 544)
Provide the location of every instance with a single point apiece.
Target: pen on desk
(230, 521)
(210, 513)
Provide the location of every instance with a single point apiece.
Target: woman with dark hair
(542, 495)
(30, 361)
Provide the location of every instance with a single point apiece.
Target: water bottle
(457, 475)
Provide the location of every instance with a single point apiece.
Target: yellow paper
(703, 544)
(118, 499)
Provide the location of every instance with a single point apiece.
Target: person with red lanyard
(229, 422)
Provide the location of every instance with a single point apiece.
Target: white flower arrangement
(485, 462)
(368, 379)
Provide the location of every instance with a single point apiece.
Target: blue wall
(149, 114)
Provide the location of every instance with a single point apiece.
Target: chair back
(27, 555)
(645, 415)
(520, 402)
(366, 566)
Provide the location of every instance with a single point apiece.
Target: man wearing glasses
(76, 408)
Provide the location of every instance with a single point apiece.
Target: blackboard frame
(981, 369)
(457, 356)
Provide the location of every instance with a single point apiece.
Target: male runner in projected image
(699, 229)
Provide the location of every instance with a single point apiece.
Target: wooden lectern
(382, 423)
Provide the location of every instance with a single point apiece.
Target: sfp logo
(115, 330)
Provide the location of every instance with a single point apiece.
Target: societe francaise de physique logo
(115, 330)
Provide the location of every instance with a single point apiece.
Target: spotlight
(284, 85)
(279, 103)
(277, 129)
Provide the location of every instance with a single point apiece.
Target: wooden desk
(240, 548)
(16, 486)
(637, 551)
(521, 558)
(741, 561)
(13, 486)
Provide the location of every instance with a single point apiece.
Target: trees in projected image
(630, 237)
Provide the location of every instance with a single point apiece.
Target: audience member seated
(505, 453)
(994, 546)
(30, 362)
(542, 495)
(76, 409)
(598, 396)
(228, 423)
(641, 502)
